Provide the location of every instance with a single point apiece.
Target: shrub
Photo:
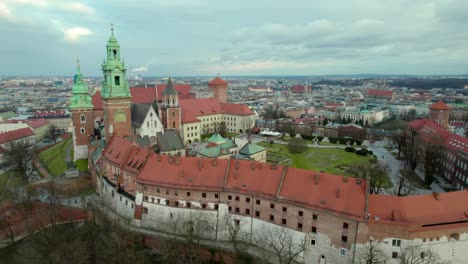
(306, 137)
(370, 152)
(362, 152)
(358, 142)
(342, 140)
(292, 134)
(320, 138)
(350, 149)
(333, 140)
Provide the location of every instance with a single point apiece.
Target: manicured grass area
(335, 161)
(53, 158)
(82, 165)
(15, 182)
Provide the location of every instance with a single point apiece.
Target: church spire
(115, 84)
(80, 97)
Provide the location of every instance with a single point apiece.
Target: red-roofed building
(435, 150)
(205, 115)
(149, 94)
(260, 197)
(301, 89)
(380, 94)
(15, 136)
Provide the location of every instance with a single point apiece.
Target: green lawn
(53, 157)
(82, 165)
(15, 181)
(335, 161)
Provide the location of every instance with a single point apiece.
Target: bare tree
(372, 254)
(53, 132)
(237, 238)
(403, 187)
(376, 175)
(248, 125)
(416, 254)
(19, 156)
(282, 244)
(400, 139)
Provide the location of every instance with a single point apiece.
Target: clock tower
(115, 93)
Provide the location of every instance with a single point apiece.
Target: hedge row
(344, 140)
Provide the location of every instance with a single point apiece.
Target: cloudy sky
(239, 37)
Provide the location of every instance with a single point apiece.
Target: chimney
(316, 178)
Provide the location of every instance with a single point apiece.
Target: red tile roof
(194, 108)
(136, 159)
(254, 177)
(217, 81)
(439, 106)
(147, 94)
(184, 172)
(430, 131)
(379, 93)
(15, 134)
(33, 123)
(117, 151)
(323, 190)
(36, 123)
(236, 109)
(420, 209)
(97, 100)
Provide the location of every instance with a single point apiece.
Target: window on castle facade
(82, 130)
(83, 119)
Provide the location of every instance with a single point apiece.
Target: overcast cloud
(241, 37)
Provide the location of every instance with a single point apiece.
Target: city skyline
(203, 38)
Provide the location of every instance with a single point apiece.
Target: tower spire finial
(112, 28)
(78, 63)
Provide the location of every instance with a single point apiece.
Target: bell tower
(170, 109)
(82, 116)
(219, 87)
(439, 112)
(115, 93)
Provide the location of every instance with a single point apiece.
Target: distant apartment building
(22, 135)
(435, 148)
(301, 89)
(380, 95)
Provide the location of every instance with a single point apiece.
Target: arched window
(173, 124)
(82, 130)
(83, 118)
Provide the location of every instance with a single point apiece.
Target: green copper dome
(80, 97)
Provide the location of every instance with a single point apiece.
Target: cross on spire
(112, 28)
